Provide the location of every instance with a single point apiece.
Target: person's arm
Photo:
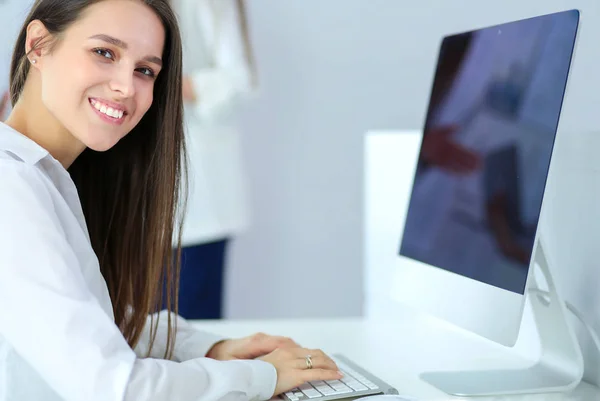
(215, 90)
(190, 343)
(53, 321)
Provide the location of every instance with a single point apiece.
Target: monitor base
(559, 369)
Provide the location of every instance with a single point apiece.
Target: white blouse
(214, 59)
(58, 337)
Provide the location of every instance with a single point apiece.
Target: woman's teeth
(109, 111)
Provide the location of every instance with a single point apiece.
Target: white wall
(331, 70)
(12, 15)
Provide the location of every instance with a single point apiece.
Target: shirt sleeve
(219, 88)
(190, 342)
(53, 321)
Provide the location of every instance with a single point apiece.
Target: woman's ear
(36, 33)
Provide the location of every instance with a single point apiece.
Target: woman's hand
(189, 95)
(250, 347)
(296, 366)
(440, 150)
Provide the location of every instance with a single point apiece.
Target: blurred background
(330, 71)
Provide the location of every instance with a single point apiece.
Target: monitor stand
(559, 369)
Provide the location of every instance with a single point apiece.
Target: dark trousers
(202, 280)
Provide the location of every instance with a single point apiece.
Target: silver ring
(309, 364)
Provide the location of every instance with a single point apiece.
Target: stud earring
(34, 61)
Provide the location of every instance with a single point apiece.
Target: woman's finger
(310, 375)
(304, 352)
(319, 362)
(285, 342)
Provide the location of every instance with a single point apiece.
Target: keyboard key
(291, 396)
(339, 387)
(348, 379)
(335, 384)
(353, 380)
(327, 391)
(356, 386)
(312, 393)
(321, 386)
(370, 384)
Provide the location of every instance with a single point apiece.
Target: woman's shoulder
(27, 198)
(19, 157)
(20, 180)
(16, 147)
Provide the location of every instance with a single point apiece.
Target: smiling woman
(90, 160)
(100, 63)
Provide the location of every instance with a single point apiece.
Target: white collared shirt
(58, 338)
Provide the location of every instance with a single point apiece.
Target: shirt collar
(21, 146)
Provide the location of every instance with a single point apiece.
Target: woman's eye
(146, 71)
(104, 53)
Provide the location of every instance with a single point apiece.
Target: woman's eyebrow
(119, 43)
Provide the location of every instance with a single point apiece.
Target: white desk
(396, 353)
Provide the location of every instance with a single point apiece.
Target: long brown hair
(129, 193)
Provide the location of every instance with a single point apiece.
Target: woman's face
(99, 79)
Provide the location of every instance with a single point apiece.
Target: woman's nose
(123, 83)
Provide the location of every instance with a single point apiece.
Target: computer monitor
(472, 226)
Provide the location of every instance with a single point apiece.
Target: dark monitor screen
(487, 143)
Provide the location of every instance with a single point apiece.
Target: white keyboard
(350, 383)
